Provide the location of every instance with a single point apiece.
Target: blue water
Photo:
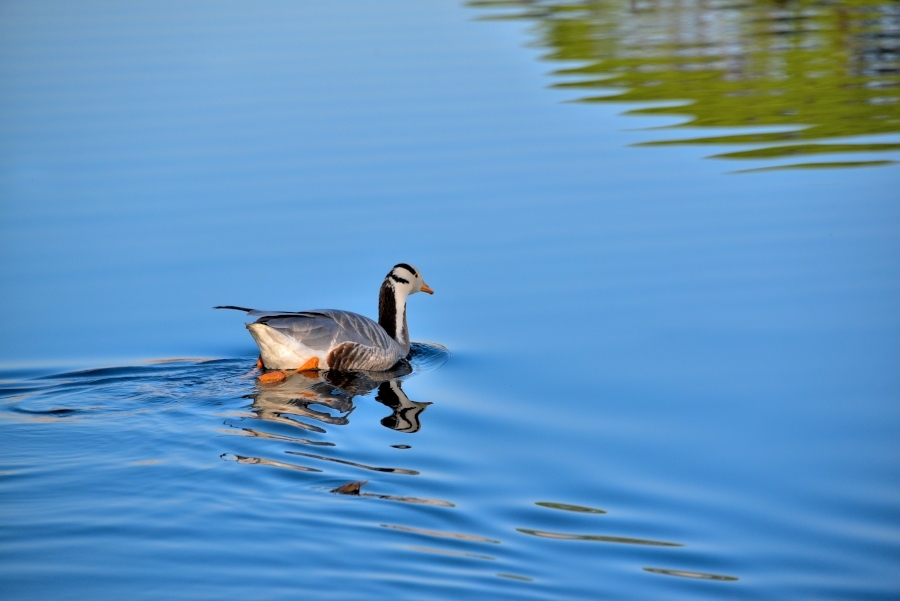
(662, 379)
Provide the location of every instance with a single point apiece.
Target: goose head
(399, 283)
(406, 280)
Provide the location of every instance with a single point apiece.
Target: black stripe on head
(397, 278)
(407, 267)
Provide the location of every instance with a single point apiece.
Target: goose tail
(245, 309)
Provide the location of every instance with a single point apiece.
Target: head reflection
(327, 398)
(406, 412)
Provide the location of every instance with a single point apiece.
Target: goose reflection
(327, 397)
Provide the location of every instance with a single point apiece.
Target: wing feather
(323, 330)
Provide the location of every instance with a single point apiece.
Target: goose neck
(392, 314)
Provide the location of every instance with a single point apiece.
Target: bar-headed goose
(339, 340)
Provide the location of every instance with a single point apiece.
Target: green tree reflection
(816, 70)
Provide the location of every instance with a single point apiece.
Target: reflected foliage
(815, 70)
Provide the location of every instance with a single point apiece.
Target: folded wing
(323, 330)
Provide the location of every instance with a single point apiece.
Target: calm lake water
(663, 356)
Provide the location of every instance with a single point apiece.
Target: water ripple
(269, 462)
(687, 574)
(598, 538)
(390, 470)
(440, 534)
(454, 553)
(567, 507)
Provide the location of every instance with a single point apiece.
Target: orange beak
(426, 288)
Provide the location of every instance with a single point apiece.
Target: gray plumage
(349, 340)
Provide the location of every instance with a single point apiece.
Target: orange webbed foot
(310, 365)
(273, 377)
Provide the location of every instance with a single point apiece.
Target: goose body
(337, 340)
